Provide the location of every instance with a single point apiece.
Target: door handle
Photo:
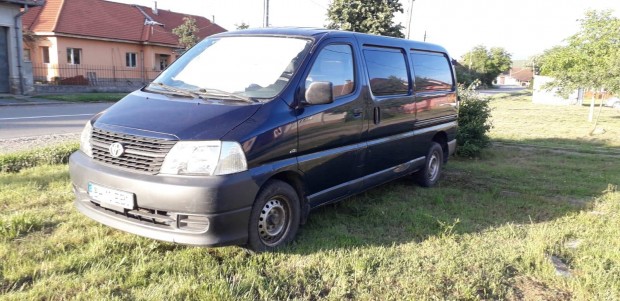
(357, 112)
(377, 115)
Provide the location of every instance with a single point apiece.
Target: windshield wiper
(177, 90)
(221, 93)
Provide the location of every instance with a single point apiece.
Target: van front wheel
(274, 220)
(429, 175)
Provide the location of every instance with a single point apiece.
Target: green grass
(85, 97)
(486, 233)
(517, 119)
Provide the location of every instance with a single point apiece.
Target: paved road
(502, 89)
(38, 120)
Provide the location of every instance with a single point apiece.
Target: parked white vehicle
(613, 102)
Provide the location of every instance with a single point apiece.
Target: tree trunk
(598, 116)
(591, 114)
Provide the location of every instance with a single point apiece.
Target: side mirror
(319, 93)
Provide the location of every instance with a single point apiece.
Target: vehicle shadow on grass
(507, 185)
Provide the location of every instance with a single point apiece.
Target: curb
(18, 104)
(36, 103)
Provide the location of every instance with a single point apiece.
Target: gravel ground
(30, 143)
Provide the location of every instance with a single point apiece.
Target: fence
(90, 75)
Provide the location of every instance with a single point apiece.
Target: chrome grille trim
(142, 154)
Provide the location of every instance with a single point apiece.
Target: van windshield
(245, 67)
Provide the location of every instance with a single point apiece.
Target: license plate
(108, 196)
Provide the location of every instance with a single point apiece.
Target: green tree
(243, 25)
(368, 16)
(486, 65)
(187, 32)
(590, 59)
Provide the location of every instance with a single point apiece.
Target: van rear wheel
(430, 174)
(274, 219)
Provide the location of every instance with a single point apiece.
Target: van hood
(185, 118)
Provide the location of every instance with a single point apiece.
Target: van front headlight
(204, 158)
(85, 145)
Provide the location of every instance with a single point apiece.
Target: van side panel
(392, 109)
(435, 97)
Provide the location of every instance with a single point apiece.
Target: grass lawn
(516, 119)
(487, 232)
(85, 97)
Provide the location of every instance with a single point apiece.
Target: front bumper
(163, 203)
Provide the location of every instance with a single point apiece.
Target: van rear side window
(432, 72)
(387, 71)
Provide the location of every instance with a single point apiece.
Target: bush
(49, 155)
(474, 123)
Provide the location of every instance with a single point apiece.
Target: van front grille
(141, 154)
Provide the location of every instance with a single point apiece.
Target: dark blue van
(248, 131)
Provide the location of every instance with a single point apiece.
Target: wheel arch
(442, 139)
(296, 181)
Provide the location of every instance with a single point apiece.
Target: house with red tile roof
(98, 42)
(518, 76)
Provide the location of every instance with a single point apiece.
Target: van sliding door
(390, 132)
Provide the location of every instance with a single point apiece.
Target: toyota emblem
(116, 149)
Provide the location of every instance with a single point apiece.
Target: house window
(46, 54)
(26, 55)
(131, 59)
(162, 60)
(74, 56)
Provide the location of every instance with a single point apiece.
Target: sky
(524, 28)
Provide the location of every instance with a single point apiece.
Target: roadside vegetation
(14, 162)
(491, 230)
(85, 97)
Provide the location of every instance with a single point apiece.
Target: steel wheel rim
(433, 167)
(273, 221)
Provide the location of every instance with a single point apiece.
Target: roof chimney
(155, 8)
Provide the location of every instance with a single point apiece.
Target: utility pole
(409, 20)
(266, 14)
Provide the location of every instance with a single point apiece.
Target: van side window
(433, 72)
(334, 64)
(387, 71)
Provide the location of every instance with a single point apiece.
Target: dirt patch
(526, 288)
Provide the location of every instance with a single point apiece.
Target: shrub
(49, 155)
(474, 123)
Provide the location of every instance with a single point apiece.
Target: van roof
(318, 34)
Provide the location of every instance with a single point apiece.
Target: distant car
(613, 102)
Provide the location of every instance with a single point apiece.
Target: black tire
(429, 175)
(274, 220)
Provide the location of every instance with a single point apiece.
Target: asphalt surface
(501, 89)
(46, 119)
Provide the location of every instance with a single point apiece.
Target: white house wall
(7, 19)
